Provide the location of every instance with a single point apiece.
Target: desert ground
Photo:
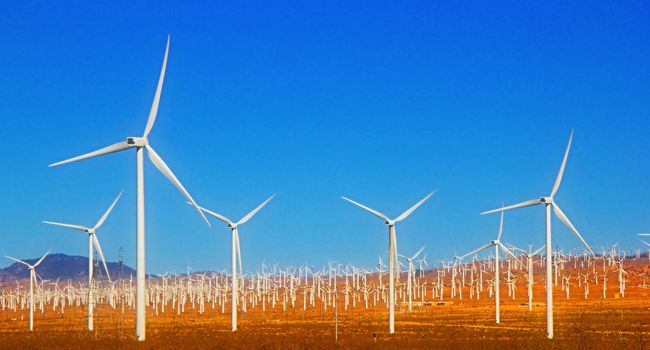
(592, 323)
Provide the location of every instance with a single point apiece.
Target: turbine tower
(392, 251)
(92, 241)
(549, 202)
(140, 144)
(32, 280)
(236, 252)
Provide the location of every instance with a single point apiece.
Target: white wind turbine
(392, 252)
(140, 144)
(32, 280)
(236, 252)
(92, 241)
(496, 244)
(411, 275)
(549, 202)
(529, 256)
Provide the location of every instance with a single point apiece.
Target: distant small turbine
(411, 275)
(496, 244)
(32, 280)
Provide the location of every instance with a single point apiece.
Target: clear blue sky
(381, 102)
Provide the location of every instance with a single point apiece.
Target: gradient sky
(382, 102)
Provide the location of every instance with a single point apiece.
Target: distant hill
(63, 267)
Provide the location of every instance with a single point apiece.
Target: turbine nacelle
(137, 141)
(390, 222)
(546, 200)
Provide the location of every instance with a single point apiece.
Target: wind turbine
(392, 251)
(140, 144)
(496, 244)
(92, 241)
(529, 257)
(32, 280)
(236, 252)
(411, 275)
(549, 203)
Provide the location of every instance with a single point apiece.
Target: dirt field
(579, 324)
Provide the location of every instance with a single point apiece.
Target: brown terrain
(592, 323)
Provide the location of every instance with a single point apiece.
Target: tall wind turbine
(496, 244)
(32, 280)
(392, 251)
(92, 241)
(549, 202)
(140, 144)
(236, 252)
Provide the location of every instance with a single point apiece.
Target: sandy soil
(622, 323)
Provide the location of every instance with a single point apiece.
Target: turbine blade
(101, 220)
(412, 209)
(515, 206)
(538, 250)
(120, 146)
(500, 227)
(558, 179)
(643, 234)
(41, 259)
(418, 253)
(252, 213)
(76, 227)
(216, 215)
(478, 250)
(558, 212)
(509, 252)
(156, 99)
(160, 164)
(18, 261)
(372, 211)
(517, 248)
(101, 255)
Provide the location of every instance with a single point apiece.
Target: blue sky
(382, 102)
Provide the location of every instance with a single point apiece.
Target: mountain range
(63, 267)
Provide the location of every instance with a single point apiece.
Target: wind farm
(300, 120)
